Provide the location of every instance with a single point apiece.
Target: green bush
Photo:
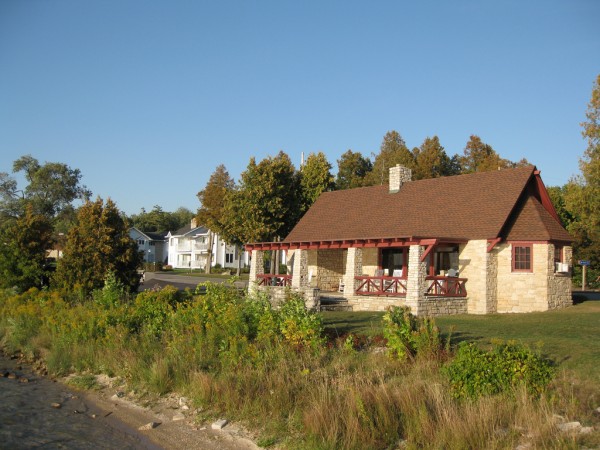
(408, 335)
(475, 372)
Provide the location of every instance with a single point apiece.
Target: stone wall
(278, 294)
(559, 284)
(370, 261)
(479, 268)
(332, 266)
(366, 303)
(442, 306)
(524, 291)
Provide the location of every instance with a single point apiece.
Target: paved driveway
(181, 282)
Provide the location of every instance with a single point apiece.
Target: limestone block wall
(370, 261)
(442, 306)
(278, 294)
(524, 291)
(332, 266)
(559, 284)
(480, 269)
(366, 303)
(312, 267)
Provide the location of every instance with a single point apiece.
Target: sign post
(584, 264)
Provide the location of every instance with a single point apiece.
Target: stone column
(257, 267)
(353, 268)
(299, 269)
(416, 285)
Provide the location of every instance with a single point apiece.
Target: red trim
(492, 243)
(349, 243)
(544, 197)
(516, 245)
(430, 246)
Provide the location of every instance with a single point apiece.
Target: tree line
(272, 195)
(264, 205)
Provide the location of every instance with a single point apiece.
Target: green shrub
(408, 335)
(299, 326)
(475, 372)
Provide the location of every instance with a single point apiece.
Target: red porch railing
(447, 286)
(390, 286)
(274, 280)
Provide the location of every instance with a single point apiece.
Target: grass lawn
(570, 336)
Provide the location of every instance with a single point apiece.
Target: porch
(423, 273)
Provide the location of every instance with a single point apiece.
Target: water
(29, 421)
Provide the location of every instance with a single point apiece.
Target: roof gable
(472, 206)
(532, 222)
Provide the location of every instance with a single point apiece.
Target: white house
(152, 245)
(188, 248)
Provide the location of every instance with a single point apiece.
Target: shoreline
(167, 424)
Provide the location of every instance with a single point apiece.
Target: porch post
(299, 269)
(416, 283)
(354, 267)
(256, 268)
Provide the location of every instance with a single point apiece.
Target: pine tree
(352, 170)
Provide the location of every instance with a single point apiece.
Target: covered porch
(370, 274)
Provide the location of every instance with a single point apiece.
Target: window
(152, 243)
(141, 242)
(228, 258)
(558, 254)
(522, 257)
(394, 259)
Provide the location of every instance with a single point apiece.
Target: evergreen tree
(24, 244)
(352, 170)
(393, 151)
(431, 160)
(315, 178)
(97, 244)
(481, 157)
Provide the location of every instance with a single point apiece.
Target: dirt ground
(156, 425)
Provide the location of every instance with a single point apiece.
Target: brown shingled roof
(473, 206)
(533, 223)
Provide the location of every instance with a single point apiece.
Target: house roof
(472, 206)
(150, 235)
(533, 222)
(188, 229)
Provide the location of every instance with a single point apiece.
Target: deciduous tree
(582, 193)
(24, 242)
(212, 199)
(158, 220)
(51, 188)
(352, 170)
(315, 178)
(97, 244)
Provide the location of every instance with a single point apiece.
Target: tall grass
(239, 358)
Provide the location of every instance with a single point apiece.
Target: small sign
(584, 262)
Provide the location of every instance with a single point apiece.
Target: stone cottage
(478, 243)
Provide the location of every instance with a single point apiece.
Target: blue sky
(146, 98)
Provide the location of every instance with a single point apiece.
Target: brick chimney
(398, 176)
(193, 223)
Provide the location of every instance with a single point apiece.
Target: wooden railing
(274, 280)
(390, 286)
(447, 287)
